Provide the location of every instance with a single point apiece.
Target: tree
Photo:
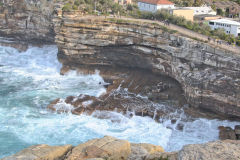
(220, 12)
(105, 5)
(198, 3)
(117, 9)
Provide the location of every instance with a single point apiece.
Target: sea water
(30, 80)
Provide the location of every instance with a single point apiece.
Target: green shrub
(67, 7)
(74, 7)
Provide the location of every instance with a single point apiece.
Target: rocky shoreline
(143, 66)
(110, 148)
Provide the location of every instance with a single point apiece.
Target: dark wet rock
(128, 91)
(180, 126)
(226, 133)
(237, 131)
(173, 121)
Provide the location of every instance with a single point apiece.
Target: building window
(211, 23)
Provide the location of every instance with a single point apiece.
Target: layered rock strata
(209, 77)
(27, 20)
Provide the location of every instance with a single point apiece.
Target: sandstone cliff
(210, 77)
(27, 20)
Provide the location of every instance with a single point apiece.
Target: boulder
(218, 150)
(226, 133)
(41, 152)
(107, 148)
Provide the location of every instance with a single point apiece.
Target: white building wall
(147, 7)
(165, 7)
(202, 10)
(229, 29)
(153, 8)
(235, 30)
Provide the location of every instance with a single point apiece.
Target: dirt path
(183, 31)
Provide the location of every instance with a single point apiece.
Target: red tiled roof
(163, 2)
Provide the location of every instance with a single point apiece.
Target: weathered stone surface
(163, 156)
(142, 150)
(106, 148)
(150, 148)
(226, 133)
(41, 152)
(219, 150)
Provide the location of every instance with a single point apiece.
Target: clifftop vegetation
(98, 6)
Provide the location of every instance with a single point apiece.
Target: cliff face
(210, 77)
(27, 20)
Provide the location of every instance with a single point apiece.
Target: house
(182, 12)
(230, 27)
(123, 2)
(202, 10)
(154, 5)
